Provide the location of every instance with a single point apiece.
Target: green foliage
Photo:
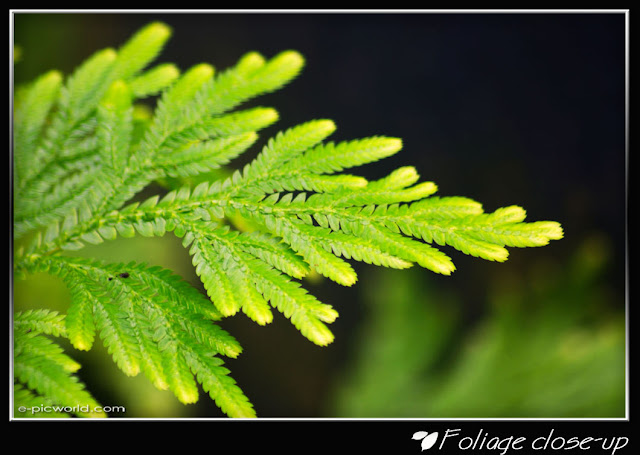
(85, 147)
(546, 347)
(43, 373)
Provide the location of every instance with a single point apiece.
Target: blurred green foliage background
(548, 347)
(507, 110)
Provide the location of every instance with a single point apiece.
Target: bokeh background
(525, 109)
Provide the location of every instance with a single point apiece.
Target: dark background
(525, 109)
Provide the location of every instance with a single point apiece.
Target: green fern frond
(142, 48)
(238, 280)
(25, 401)
(286, 146)
(273, 252)
(40, 321)
(43, 373)
(84, 148)
(147, 318)
(115, 125)
(330, 158)
(30, 117)
(155, 80)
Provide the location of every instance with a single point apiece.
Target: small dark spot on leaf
(124, 275)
